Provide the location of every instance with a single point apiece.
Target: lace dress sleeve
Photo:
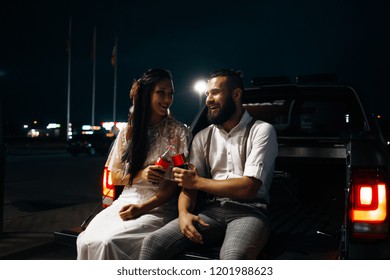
(183, 138)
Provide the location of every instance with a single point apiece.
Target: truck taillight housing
(368, 213)
(108, 190)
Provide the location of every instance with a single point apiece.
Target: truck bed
(304, 231)
(307, 202)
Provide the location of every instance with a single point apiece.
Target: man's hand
(186, 178)
(187, 228)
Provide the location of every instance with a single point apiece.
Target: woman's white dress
(108, 236)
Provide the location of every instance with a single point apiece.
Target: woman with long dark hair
(148, 200)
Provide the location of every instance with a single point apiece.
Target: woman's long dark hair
(138, 121)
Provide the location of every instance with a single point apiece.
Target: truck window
(310, 114)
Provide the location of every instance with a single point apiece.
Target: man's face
(219, 101)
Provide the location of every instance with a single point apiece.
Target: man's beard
(225, 112)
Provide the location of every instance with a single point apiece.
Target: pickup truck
(331, 181)
(330, 192)
(330, 188)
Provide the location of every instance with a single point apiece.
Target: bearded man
(225, 192)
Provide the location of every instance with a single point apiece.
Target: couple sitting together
(224, 194)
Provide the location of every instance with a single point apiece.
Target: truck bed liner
(304, 230)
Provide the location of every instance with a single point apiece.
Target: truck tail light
(370, 203)
(108, 190)
(368, 211)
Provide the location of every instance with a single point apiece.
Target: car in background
(90, 144)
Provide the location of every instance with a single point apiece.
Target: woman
(148, 200)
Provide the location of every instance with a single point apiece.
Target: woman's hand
(130, 211)
(152, 173)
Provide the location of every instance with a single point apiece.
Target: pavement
(26, 235)
(32, 234)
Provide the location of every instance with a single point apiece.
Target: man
(232, 162)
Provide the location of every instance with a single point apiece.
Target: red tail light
(371, 203)
(108, 190)
(368, 211)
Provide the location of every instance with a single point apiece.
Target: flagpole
(115, 64)
(69, 48)
(94, 76)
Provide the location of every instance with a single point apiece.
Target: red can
(163, 163)
(180, 161)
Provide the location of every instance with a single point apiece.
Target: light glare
(200, 86)
(366, 195)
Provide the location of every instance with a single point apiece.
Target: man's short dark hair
(234, 77)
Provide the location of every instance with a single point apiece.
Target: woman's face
(161, 100)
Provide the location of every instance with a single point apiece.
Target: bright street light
(200, 87)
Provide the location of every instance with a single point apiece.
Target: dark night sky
(190, 38)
